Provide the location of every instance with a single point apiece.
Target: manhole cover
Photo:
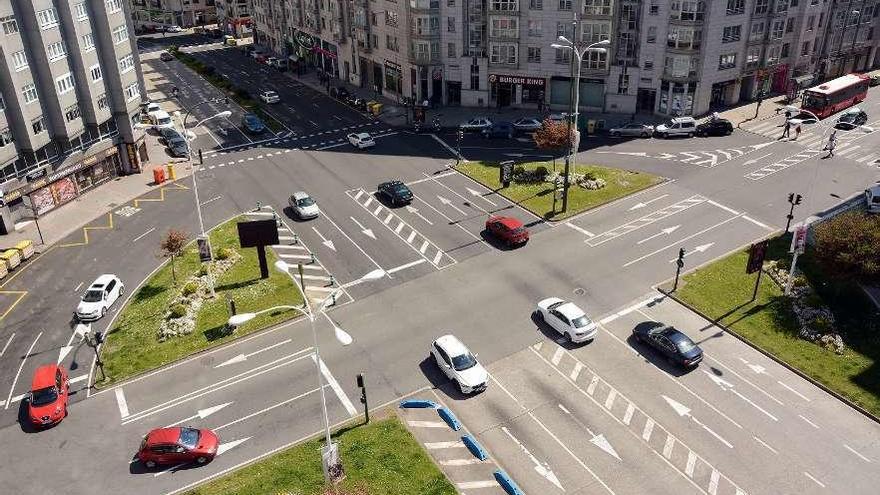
(580, 291)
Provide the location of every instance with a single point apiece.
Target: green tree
(848, 246)
(172, 247)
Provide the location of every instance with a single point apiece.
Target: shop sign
(322, 51)
(38, 179)
(131, 149)
(36, 174)
(526, 81)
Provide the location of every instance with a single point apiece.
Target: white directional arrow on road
(597, 440)
(541, 468)
(665, 231)
(699, 249)
(757, 368)
(243, 357)
(756, 160)
(81, 330)
(415, 211)
(684, 411)
(762, 145)
(324, 240)
(629, 153)
(725, 385)
(646, 203)
(367, 232)
(478, 194)
(200, 414)
(450, 204)
(227, 446)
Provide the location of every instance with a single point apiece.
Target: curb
(791, 368)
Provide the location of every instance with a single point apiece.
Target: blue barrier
(450, 418)
(414, 403)
(506, 483)
(475, 447)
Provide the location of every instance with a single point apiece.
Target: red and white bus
(835, 95)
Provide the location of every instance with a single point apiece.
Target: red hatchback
(507, 229)
(50, 389)
(178, 446)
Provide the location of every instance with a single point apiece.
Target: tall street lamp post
(563, 43)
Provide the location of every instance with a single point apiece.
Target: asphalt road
(739, 422)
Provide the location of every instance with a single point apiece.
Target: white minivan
(679, 126)
(872, 199)
(161, 120)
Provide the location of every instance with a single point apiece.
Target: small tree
(172, 246)
(846, 246)
(552, 136)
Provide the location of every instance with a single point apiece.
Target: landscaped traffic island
(533, 185)
(172, 314)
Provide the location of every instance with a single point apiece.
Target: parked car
(168, 133)
(98, 298)
(508, 230)
(633, 129)
(456, 362)
(476, 124)
(178, 446)
(177, 147)
(872, 199)
(252, 123)
(560, 117)
(875, 80)
(851, 119)
(499, 130)
(303, 206)
(527, 124)
(166, 57)
(567, 319)
(160, 119)
(396, 192)
(257, 54)
(151, 107)
(271, 61)
(361, 140)
(49, 395)
(679, 126)
(174, 28)
(269, 97)
(339, 92)
(715, 127)
(675, 346)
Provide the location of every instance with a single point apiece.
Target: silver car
(633, 129)
(303, 206)
(527, 124)
(476, 124)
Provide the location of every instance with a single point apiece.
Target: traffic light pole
(793, 200)
(679, 264)
(757, 283)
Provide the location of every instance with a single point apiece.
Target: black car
(396, 192)
(499, 130)
(339, 93)
(177, 147)
(675, 346)
(851, 119)
(716, 127)
(166, 134)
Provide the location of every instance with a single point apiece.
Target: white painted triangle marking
(226, 446)
(602, 442)
(680, 409)
(204, 413)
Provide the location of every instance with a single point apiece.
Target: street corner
(459, 455)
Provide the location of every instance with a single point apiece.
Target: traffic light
(797, 199)
(99, 338)
(791, 198)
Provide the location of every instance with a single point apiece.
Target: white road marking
(609, 400)
(766, 445)
(759, 224)
(847, 447)
(691, 462)
(13, 333)
(678, 243)
(432, 178)
(80, 378)
(240, 358)
(460, 462)
(120, 401)
(200, 414)
(444, 445)
(576, 371)
(336, 388)
(427, 424)
(412, 235)
(557, 356)
(713, 482)
(642, 204)
(581, 230)
(808, 475)
(627, 416)
(23, 359)
(76, 289)
(424, 247)
(405, 266)
(542, 468)
(592, 386)
(143, 235)
(469, 485)
(734, 373)
(645, 220)
(669, 445)
(646, 432)
(266, 409)
(725, 208)
(814, 425)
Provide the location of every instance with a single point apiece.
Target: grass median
(722, 291)
(133, 344)
(381, 458)
(538, 197)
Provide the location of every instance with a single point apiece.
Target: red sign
(799, 240)
(324, 52)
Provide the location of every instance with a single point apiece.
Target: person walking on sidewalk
(786, 131)
(797, 132)
(832, 143)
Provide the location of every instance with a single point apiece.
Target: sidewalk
(747, 111)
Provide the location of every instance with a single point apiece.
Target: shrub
(203, 270)
(590, 176)
(225, 253)
(542, 172)
(178, 310)
(518, 170)
(190, 288)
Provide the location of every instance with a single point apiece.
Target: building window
(757, 32)
(113, 5)
(563, 28)
(805, 48)
(64, 83)
(450, 3)
(120, 34)
(810, 21)
(5, 137)
(789, 25)
(781, 6)
(793, 3)
(592, 32)
(2, 104)
(727, 61)
(648, 65)
(684, 37)
(19, 61)
(95, 72)
(29, 91)
(103, 104)
(761, 6)
(564, 4)
(391, 43)
(687, 10)
(450, 50)
(536, 4)
(502, 53)
(736, 7)
(563, 56)
(505, 5)
(71, 113)
(126, 64)
(534, 54)
(450, 24)
(597, 7)
(56, 51)
(753, 57)
(504, 27)
(80, 11)
(132, 91)
(622, 84)
(9, 24)
(38, 125)
(652, 34)
(778, 29)
(655, 9)
(785, 49)
(535, 28)
(475, 77)
(47, 18)
(772, 55)
(595, 59)
(88, 42)
(731, 34)
(393, 19)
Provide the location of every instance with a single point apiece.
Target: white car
(361, 140)
(270, 97)
(476, 124)
(98, 298)
(527, 124)
(174, 29)
(161, 120)
(457, 363)
(303, 205)
(567, 319)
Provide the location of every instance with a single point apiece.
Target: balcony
(425, 6)
(423, 58)
(692, 75)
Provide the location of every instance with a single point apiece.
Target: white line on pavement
(814, 425)
(470, 485)
(13, 333)
(759, 224)
(725, 208)
(795, 392)
(427, 179)
(23, 359)
(120, 401)
(443, 445)
(766, 445)
(678, 243)
(847, 447)
(460, 462)
(407, 265)
(336, 388)
(75, 290)
(266, 409)
(376, 264)
(808, 475)
(215, 198)
(79, 378)
(427, 424)
(580, 229)
(143, 235)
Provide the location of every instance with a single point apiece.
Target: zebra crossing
(705, 159)
(321, 139)
(814, 138)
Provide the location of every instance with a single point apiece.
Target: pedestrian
(797, 132)
(832, 142)
(787, 114)
(786, 131)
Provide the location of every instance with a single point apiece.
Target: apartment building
(234, 17)
(666, 57)
(184, 13)
(70, 95)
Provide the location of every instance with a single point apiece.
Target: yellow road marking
(22, 268)
(19, 293)
(161, 197)
(86, 230)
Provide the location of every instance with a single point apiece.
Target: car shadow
(654, 357)
(440, 381)
(24, 420)
(288, 212)
(551, 334)
(135, 466)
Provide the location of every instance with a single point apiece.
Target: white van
(679, 126)
(161, 120)
(872, 199)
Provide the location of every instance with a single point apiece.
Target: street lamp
(563, 43)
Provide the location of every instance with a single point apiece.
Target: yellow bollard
(171, 175)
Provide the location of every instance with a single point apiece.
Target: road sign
(204, 249)
(757, 253)
(799, 240)
(506, 170)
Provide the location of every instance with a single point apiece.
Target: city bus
(835, 95)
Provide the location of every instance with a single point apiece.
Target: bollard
(313, 257)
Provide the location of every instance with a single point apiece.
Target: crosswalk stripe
(848, 149)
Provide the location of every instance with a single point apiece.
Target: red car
(178, 446)
(507, 229)
(50, 390)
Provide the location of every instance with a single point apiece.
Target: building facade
(183, 13)
(70, 95)
(667, 57)
(234, 17)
